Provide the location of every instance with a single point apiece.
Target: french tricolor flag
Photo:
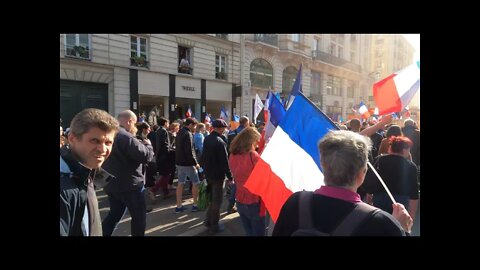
(291, 161)
(363, 110)
(396, 91)
(189, 112)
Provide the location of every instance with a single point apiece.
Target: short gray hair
(343, 154)
(89, 118)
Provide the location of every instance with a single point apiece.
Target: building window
(184, 60)
(350, 90)
(138, 51)
(288, 79)
(315, 45)
(271, 39)
(335, 111)
(224, 36)
(333, 48)
(77, 45)
(296, 37)
(334, 86)
(220, 67)
(379, 41)
(315, 83)
(336, 41)
(261, 73)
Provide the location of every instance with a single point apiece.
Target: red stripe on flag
(386, 96)
(266, 184)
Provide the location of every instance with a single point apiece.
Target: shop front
(153, 92)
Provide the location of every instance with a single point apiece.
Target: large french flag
(291, 162)
(396, 91)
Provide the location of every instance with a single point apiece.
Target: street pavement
(163, 221)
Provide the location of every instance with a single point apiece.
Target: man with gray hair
(344, 157)
(127, 165)
(90, 143)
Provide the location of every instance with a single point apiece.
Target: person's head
(244, 121)
(63, 141)
(127, 120)
(344, 156)
(219, 126)
(400, 145)
(91, 136)
(174, 127)
(409, 122)
(190, 123)
(200, 127)
(154, 128)
(208, 126)
(245, 141)
(143, 129)
(393, 130)
(354, 125)
(163, 122)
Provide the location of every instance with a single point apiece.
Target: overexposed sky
(414, 40)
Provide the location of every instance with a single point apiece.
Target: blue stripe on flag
(306, 125)
(277, 111)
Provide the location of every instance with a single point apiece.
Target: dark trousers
(119, 202)
(215, 192)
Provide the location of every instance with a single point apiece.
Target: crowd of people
(139, 158)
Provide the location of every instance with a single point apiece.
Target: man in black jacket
(127, 165)
(90, 141)
(186, 163)
(215, 163)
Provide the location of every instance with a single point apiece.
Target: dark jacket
(185, 152)
(215, 157)
(74, 179)
(328, 213)
(163, 145)
(414, 135)
(127, 163)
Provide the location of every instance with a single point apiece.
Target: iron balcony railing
(337, 61)
(271, 39)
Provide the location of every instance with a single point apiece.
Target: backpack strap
(358, 215)
(305, 221)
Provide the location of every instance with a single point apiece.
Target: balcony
(185, 70)
(221, 75)
(271, 39)
(224, 36)
(328, 58)
(78, 52)
(139, 61)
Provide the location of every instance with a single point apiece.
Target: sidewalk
(163, 221)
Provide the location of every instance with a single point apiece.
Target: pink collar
(339, 193)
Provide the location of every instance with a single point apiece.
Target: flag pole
(383, 183)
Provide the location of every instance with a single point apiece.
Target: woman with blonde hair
(242, 160)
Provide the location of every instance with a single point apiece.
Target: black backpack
(348, 225)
